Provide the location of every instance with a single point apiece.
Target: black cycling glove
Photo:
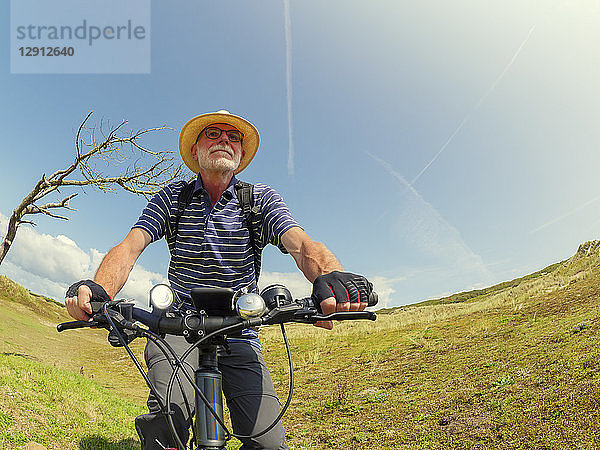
(344, 286)
(98, 292)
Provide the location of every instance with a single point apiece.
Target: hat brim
(190, 131)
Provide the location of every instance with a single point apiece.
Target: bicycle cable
(290, 392)
(180, 362)
(183, 357)
(159, 342)
(146, 379)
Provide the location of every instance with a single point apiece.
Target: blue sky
(437, 146)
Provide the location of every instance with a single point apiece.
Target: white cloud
(34, 283)
(384, 289)
(48, 265)
(298, 285)
(56, 258)
(139, 283)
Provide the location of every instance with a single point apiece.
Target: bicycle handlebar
(202, 324)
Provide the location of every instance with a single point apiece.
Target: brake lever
(312, 316)
(282, 314)
(76, 324)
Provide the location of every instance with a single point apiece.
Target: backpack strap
(245, 195)
(184, 198)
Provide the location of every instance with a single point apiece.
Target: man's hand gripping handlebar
(80, 297)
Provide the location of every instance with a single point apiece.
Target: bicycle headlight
(276, 295)
(161, 297)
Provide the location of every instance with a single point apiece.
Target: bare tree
(137, 170)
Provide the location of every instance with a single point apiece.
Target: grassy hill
(512, 366)
(57, 389)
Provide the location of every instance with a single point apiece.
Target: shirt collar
(229, 191)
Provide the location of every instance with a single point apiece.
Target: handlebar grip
(373, 299)
(75, 324)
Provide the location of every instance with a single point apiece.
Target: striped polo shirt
(213, 247)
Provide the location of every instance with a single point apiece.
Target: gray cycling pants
(247, 386)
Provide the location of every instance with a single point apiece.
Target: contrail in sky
(288, 81)
(429, 231)
(564, 216)
(477, 105)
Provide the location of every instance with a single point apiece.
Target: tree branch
(135, 168)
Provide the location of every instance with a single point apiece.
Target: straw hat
(193, 127)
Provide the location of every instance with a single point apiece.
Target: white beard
(219, 163)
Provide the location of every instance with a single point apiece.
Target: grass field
(514, 366)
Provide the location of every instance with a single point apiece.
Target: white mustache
(222, 147)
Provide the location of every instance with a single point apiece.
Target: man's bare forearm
(312, 258)
(114, 270)
(118, 262)
(315, 259)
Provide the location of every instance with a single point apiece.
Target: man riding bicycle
(212, 244)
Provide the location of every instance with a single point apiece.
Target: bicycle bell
(250, 305)
(161, 297)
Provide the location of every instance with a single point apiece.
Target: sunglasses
(215, 133)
